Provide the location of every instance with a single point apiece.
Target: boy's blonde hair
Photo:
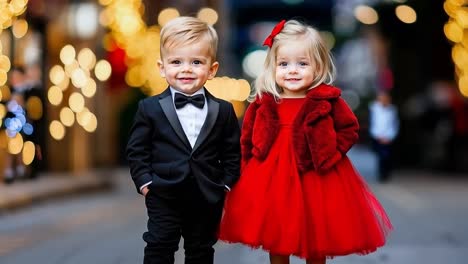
(187, 30)
(321, 58)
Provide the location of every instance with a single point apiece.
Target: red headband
(276, 30)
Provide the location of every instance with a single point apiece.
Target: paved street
(428, 211)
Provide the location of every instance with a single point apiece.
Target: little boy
(184, 150)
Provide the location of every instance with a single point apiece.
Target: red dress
(311, 216)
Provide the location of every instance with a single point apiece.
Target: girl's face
(294, 69)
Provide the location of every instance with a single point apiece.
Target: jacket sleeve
(231, 149)
(138, 148)
(246, 133)
(322, 138)
(346, 126)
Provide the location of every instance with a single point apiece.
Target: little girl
(298, 193)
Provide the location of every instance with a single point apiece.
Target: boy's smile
(188, 67)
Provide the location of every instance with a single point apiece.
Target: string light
(454, 30)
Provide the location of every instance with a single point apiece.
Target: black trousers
(180, 211)
(385, 159)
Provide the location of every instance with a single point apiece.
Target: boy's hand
(144, 191)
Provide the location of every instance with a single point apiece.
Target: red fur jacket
(324, 129)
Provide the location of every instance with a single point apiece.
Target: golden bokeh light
(3, 77)
(76, 102)
(406, 14)
(239, 108)
(461, 17)
(103, 70)
(166, 15)
(366, 14)
(453, 31)
(228, 88)
(71, 67)
(105, 18)
(7, 23)
(29, 151)
(18, 7)
(57, 74)
(34, 108)
(67, 54)
(20, 28)
(15, 144)
(55, 95)
(463, 85)
(5, 93)
(105, 2)
(57, 130)
(91, 124)
(460, 56)
(89, 89)
(3, 111)
(79, 77)
(86, 58)
(67, 117)
(83, 117)
(63, 85)
(5, 63)
(208, 15)
(134, 76)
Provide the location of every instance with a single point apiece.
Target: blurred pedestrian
(34, 97)
(14, 122)
(384, 126)
(298, 193)
(184, 150)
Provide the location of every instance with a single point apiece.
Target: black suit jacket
(159, 151)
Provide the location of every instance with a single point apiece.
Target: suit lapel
(167, 105)
(212, 115)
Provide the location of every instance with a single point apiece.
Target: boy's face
(188, 67)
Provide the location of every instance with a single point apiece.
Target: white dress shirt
(384, 121)
(191, 118)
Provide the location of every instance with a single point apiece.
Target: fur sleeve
(346, 126)
(322, 138)
(247, 130)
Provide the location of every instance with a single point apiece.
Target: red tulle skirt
(310, 216)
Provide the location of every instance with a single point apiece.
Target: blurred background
(91, 61)
(72, 72)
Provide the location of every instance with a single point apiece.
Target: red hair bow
(276, 30)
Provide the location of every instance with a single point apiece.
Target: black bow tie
(181, 100)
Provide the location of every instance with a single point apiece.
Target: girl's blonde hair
(187, 30)
(320, 55)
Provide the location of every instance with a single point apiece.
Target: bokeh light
(166, 15)
(20, 28)
(67, 54)
(253, 63)
(55, 95)
(366, 14)
(57, 130)
(29, 151)
(208, 15)
(406, 14)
